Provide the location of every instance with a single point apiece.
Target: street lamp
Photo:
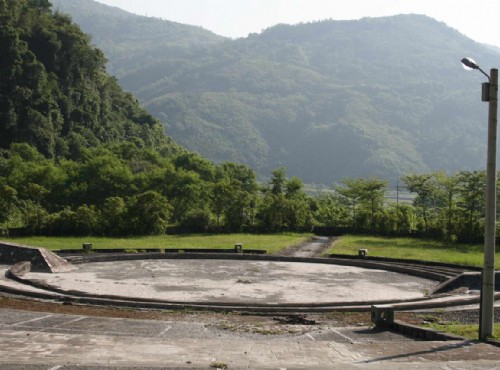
(487, 305)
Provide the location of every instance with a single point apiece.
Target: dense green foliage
(125, 190)
(378, 96)
(121, 189)
(446, 206)
(55, 92)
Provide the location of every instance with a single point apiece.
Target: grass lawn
(271, 243)
(427, 250)
(466, 331)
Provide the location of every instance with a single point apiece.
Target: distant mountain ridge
(379, 96)
(132, 41)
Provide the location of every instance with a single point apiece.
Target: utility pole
(488, 275)
(487, 304)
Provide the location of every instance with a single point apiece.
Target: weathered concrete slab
(41, 259)
(247, 282)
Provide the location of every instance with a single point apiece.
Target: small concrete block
(363, 252)
(238, 247)
(382, 315)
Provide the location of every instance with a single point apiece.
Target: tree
(298, 215)
(367, 192)
(113, 216)
(373, 192)
(278, 181)
(273, 206)
(196, 163)
(34, 217)
(149, 214)
(332, 211)
(32, 176)
(41, 5)
(187, 192)
(234, 195)
(351, 190)
(285, 205)
(105, 175)
(425, 188)
(86, 220)
(472, 200)
(449, 186)
(8, 199)
(61, 223)
(221, 198)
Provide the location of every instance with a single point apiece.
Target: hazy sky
(478, 19)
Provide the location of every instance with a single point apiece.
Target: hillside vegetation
(55, 93)
(378, 96)
(79, 156)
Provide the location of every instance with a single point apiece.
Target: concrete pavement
(55, 341)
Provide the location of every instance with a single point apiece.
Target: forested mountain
(130, 41)
(55, 94)
(78, 155)
(378, 96)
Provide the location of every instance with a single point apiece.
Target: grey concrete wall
(470, 280)
(41, 259)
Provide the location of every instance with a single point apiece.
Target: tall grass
(272, 243)
(409, 248)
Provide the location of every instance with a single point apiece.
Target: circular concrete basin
(259, 282)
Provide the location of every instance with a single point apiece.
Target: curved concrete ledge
(116, 300)
(409, 261)
(233, 305)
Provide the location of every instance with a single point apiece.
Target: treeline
(445, 206)
(123, 189)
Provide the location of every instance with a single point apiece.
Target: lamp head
(469, 64)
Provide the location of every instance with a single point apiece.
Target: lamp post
(487, 305)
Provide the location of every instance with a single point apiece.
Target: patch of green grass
(465, 331)
(218, 365)
(272, 243)
(409, 248)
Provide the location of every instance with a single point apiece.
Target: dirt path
(311, 248)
